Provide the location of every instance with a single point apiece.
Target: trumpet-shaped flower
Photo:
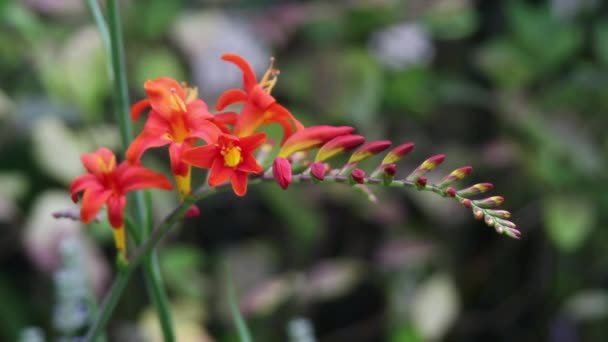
(260, 107)
(230, 158)
(107, 183)
(177, 118)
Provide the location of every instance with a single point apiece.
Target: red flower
(106, 183)
(260, 107)
(230, 157)
(177, 119)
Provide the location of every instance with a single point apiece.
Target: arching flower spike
(106, 183)
(260, 107)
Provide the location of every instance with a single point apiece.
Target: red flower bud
(397, 153)
(390, 170)
(358, 176)
(193, 212)
(281, 170)
(421, 181)
(451, 192)
(318, 170)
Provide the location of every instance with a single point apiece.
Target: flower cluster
(228, 144)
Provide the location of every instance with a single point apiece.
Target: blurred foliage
(515, 88)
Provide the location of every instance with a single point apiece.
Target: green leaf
(155, 63)
(569, 220)
(239, 321)
(183, 262)
(411, 91)
(447, 22)
(600, 41)
(506, 64)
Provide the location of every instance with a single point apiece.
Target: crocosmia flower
(230, 158)
(260, 107)
(108, 183)
(177, 118)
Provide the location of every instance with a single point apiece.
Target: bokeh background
(518, 89)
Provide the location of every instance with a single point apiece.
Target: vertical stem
(121, 97)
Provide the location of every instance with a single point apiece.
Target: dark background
(517, 89)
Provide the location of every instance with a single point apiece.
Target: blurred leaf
(568, 220)
(188, 316)
(411, 91)
(363, 20)
(156, 63)
(360, 88)
(587, 305)
(506, 64)
(78, 73)
(14, 311)
(532, 25)
(435, 306)
(451, 19)
(300, 217)
(600, 41)
(179, 262)
(51, 135)
(159, 15)
(405, 333)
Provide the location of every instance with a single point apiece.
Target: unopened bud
(421, 181)
(358, 176)
(450, 191)
(318, 170)
(193, 212)
(281, 170)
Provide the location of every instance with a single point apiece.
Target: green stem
(152, 274)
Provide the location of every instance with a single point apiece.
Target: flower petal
(252, 142)
(116, 208)
(239, 183)
(198, 108)
(81, 183)
(205, 130)
(145, 140)
(101, 161)
(249, 164)
(178, 167)
(163, 93)
(139, 107)
(92, 201)
(139, 177)
(202, 156)
(229, 97)
(219, 172)
(249, 80)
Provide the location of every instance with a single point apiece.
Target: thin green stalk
(104, 32)
(235, 311)
(113, 33)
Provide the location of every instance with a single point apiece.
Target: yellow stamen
(120, 240)
(232, 156)
(176, 102)
(270, 77)
(106, 167)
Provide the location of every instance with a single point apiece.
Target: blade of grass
(235, 311)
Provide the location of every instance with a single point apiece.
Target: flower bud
(358, 176)
(281, 170)
(318, 170)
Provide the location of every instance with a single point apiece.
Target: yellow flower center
(232, 155)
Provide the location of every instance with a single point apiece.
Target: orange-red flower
(177, 118)
(230, 158)
(260, 107)
(106, 183)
